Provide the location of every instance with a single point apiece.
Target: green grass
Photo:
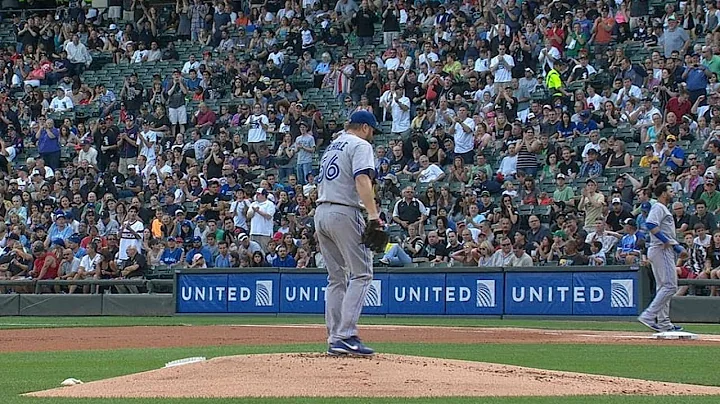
(24, 372)
(52, 322)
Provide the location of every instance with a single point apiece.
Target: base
(675, 335)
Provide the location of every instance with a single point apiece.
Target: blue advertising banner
(376, 299)
(253, 293)
(484, 293)
(416, 293)
(605, 293)
(546, 293)
(474, 294)
(202, 293)
(303, 293)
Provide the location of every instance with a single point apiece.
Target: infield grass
(25, 372)
(55, 322)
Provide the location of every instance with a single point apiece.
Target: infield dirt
(46, 339)
(318, 375)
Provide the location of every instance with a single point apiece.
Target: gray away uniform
(340, 225)
(662, 259)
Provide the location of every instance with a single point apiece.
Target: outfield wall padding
(695, 309)
(60, 305)
(9, 305)
(138, 305)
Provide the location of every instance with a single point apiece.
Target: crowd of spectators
(517, 132)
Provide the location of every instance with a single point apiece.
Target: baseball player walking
(344, 189)
(662, 255)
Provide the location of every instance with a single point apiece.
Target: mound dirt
(317, 375)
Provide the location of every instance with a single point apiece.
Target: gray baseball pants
(349, 266)
(663, 267)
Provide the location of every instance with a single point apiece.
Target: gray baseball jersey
(660, 215)
(345, 158)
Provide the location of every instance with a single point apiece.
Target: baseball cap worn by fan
(616, 200)
(365, 117)
(645, 206)
(560, 233)
(630, 222)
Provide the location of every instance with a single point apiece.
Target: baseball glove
(374, 237)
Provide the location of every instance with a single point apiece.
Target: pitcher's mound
(317, 375)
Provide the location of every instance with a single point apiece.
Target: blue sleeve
(208, 257)
(367, 171)
(190, 254)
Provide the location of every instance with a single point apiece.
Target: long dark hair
(262, 262)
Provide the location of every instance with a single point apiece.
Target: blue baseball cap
(75, 238)
(200, 218)
(645, 206)
(365, 117)
(197, 240)
(59, 241)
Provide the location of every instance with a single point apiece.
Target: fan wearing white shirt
(78, 55)
(464, 135)
(629, 90)
(161, 169)
(427, 55)
(140, 55)
(429, 172)
(501, 67)
(148, 139)
(257, 135)
(548, 55)
(191, 64)
(482, 63)
(594, 100)
(399, 106)
(508, 165)
(392, 62)
(61, 102)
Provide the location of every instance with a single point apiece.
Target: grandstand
(403, 30)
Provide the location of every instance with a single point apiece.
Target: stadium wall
(617, 291)
(580, 293)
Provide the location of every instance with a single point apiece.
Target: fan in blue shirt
(586, 124)
(284, 260)
(198, 248)
(172, 255)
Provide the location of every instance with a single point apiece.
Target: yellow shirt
(553, 82)
(156, 228)
(453, 68)
(645, 161)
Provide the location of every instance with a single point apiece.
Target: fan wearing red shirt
(556, 34)
(45, 265)
(680, 104)
(204, 118)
